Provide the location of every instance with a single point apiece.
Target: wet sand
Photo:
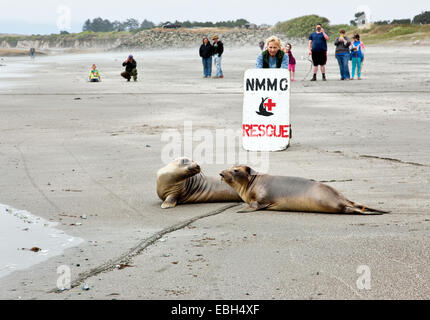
(22, 237)
(69, 148)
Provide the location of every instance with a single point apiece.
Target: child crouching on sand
(291, 60)
(94, 75)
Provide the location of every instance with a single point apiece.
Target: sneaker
(221, 77)
(314, 78)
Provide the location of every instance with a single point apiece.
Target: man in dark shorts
(318, 50)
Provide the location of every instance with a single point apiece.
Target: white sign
(266, 110)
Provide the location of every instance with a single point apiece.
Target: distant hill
(301, 27)
(156, 38)
(394, 33)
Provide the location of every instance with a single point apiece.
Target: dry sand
(70, 148)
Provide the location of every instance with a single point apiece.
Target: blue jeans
(342, 59)
(217, 61)
(207, 66)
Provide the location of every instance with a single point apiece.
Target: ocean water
(20, 231)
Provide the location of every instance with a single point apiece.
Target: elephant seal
(263, 191)
(181, 181)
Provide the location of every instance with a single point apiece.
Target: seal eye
(236, 171)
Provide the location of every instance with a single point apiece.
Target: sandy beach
(70, 148)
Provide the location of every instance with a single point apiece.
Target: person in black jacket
(206, 54)
(130, 68)
(217, 52)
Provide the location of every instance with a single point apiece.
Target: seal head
(181, 181)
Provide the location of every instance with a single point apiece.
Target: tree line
(105, 25)
(422, 18)
(207, 24)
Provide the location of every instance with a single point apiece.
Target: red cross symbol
(269, 104)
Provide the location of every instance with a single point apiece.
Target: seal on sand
(263, 191)
(181, 181)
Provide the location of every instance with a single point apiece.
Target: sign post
(266, 110)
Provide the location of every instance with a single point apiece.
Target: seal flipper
(170, 202)
(361, 209)
(253, 206)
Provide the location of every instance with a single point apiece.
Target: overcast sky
(44, 16)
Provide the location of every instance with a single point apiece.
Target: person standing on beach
(218, 49)
(342, 44)
(273, 56)
(291, 61)
(206, 51)
(32, 53)
(357, 55)
(130, 68)
(318, 50)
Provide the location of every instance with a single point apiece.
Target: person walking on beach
(342, 44)
(291, 61)
(273, 56)
(218, 49)
(318, 50)
(130, 68)
(32, 53)
(206, 51)
(357, 55)
(94, 75)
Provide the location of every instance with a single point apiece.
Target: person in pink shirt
(291, 60)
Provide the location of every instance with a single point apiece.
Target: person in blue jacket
(273, 56)
(357, 56)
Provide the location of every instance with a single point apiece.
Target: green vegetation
(303, 26)
(400, 29)
(396, 32)
(422, 18)
(55, 38)
(208, 24)
(104, 25)
(133, 25)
